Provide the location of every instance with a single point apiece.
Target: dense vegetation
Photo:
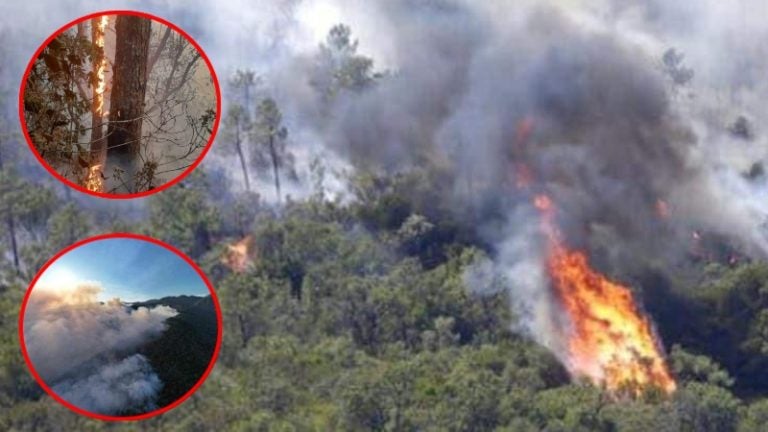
(356, 314)
(183, 352)
(357, 329)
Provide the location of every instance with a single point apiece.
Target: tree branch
(160, 47)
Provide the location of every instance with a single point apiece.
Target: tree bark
(98, 146)
(158, 50)
(129, 86)
(241, 155)
(275, 168)
(10, 224)
(14, 245)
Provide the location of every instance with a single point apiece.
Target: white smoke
(68, 333)
(114, 387)
(465, 71)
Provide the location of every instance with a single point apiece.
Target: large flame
(95, 180)
(610, 341)
(101, 68)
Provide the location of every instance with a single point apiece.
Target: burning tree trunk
(94, 181)
(129, 84)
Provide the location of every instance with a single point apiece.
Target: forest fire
(610, 340)
(101, 84)
(95, 179)
(100, 98)
(237, 255)
(94, 182)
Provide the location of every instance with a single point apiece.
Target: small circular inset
(120, 104)
(120, 327)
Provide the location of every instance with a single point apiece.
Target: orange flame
(611, 342)
(95, 180)
(102, 66)
(237, 256)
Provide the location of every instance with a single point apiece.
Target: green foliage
(732, 324)
(357, 316)
(704, 407)
(182, 217)
(67, 226)
(691, 367)
(270, 151)
(754, 417)
(54, 101)
(338, 66)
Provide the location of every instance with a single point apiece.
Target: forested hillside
(183, 352)
(364, 328)
(404, 276)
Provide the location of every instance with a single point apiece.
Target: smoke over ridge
(83, 348)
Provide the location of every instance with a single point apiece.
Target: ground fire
(610, 341)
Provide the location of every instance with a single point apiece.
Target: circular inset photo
(120, 327)
(120, 104)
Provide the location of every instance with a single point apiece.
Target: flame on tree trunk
(129, 84)
(94, 180)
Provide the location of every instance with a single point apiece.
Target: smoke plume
(69, 333)
(114, 387)
(587, 95)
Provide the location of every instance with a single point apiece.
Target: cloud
(114, 388)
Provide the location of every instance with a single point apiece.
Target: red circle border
(81, 411)
(162, 187)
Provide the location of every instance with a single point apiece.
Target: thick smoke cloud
(69, 333)
(114, 387)
(610, 136)
(580, 95)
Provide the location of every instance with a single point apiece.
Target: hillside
(181, 355)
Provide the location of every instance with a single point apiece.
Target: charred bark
(129, 85)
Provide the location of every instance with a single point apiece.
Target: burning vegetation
(609, 339)
(239, 255)
(122, 108)
(529, 216)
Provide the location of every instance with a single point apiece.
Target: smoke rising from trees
(78, 345)
(114, 387)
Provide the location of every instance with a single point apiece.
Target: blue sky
(128, 268)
